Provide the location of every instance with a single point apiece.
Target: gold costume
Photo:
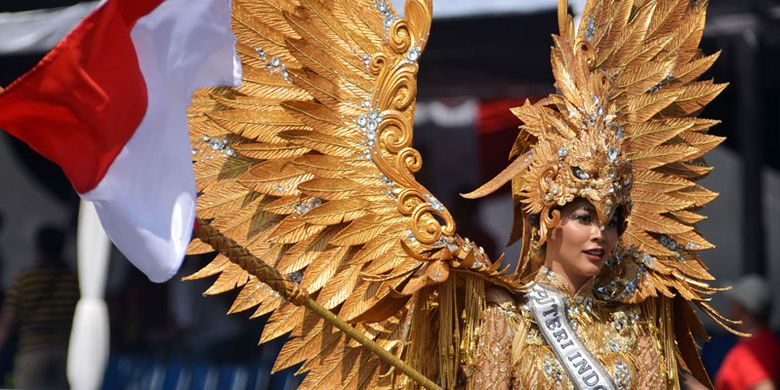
(306, 184)
(512, 354)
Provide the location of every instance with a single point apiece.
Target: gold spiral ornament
(393, 132)
(400, 37)
(425, 227)
(410, 159)
(398, 87)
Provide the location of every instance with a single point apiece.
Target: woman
(513, 353)
(604, 202)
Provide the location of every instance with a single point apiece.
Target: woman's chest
(607, 337)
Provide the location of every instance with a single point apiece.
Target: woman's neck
(574, 282)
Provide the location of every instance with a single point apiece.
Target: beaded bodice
(512, 353)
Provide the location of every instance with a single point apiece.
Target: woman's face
(578, 248)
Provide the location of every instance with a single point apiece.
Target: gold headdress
(621, 131)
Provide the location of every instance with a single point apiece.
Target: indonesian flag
(108, 104)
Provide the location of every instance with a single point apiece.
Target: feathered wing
(309, 166)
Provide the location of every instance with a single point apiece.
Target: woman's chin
(590, 268)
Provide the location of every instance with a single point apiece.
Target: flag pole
(293, 293)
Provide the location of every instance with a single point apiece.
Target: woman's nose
(598, 232)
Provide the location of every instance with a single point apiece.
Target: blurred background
(483, 58)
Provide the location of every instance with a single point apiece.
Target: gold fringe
(669, 349)
(471, 317)
(520, 341)
(421, 341)
(447, 333)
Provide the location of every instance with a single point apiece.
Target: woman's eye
(585, 219)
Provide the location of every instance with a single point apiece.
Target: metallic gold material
(309, 166)
(512, 351)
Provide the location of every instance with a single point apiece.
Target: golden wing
(309, 165)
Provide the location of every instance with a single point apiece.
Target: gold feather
(360, 231)
(336, 211)
(336, 291)
(282, 321)
(212, 268)
(232, 276)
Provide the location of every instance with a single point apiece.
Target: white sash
(549, 311)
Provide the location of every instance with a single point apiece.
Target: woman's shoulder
(499, 300)
(497, 296)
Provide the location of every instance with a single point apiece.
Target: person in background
(40, 304)
(754, 362)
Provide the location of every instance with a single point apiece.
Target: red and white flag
(108, 104)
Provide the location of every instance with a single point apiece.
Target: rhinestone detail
(612, 154)
(580, 174)
(590, 29)
(387, 14)
(622, 375)
(274, 64)
(208, 146)
(305, 206)
(434, 202)
(413, 54)
(295, 276)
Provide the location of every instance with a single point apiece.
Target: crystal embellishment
(580, 174)
(590, 29)
(274, 65)
(552, 369)
(622, 376)
(368, 123)
(612, 154)
(666, 80)
(390, 186)
(387, 14)
(307, 205)
(212, 146)
(367, 61)
(413, 54)
(295, 276)
(434, 202)
(668, 242)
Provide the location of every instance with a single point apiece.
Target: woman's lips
(594, 255)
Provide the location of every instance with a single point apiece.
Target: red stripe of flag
(90, 81)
